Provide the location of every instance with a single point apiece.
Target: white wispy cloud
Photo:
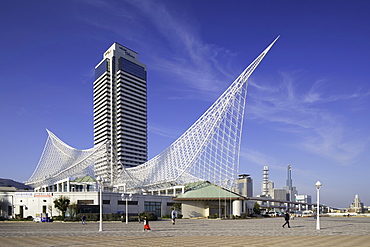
(106, 15)
(255, 157)
(191, 61)
(163, 131)
(301, 110)
(177, 48)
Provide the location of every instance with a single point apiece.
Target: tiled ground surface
(252, 232)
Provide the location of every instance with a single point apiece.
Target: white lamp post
(318, 185)
(127, 197)
(100, 182)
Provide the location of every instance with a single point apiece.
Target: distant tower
(265, 189)
(289, 182)
(291, 191)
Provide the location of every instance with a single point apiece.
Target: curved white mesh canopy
(59, 161)
(208, 151)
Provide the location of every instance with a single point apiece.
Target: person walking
(83, 219)
(173, 216)
(146, 224)
(287, 218)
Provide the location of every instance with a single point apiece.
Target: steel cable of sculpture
(59, 161)
(209, 150)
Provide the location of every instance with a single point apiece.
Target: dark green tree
(256, 208)
(62, 204)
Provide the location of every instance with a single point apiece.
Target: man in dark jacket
(286, 217)
(83, 219)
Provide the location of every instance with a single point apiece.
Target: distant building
(244, 185)
(278, 194)
(303, 199)
(357, 206)
(273, 197)
(288, 192)
(268, 190)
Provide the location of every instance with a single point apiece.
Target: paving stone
(335, 231)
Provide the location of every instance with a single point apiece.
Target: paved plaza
(335, 231)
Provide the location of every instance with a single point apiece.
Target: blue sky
(308, 101)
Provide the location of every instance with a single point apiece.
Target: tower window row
(132, 68)
(103, 67)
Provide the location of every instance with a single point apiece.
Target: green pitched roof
(87, 179)
(205, 190)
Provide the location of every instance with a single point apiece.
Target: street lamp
(318, 185)
(100, 182)
(127, 197)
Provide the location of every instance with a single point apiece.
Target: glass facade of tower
(120, 111)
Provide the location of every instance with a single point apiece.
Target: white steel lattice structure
(208, 150)
(59, 161)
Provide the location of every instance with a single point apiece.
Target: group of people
(146, 221)
(174, 216)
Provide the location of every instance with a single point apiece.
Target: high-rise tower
(265, 189)
(290, 189)
(267, 185)
(289, 182)
(120, 111)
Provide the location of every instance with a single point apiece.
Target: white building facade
(357, 206)
(23, 204)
